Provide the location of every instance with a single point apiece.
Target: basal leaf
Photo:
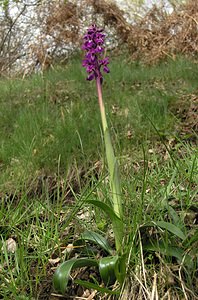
(191, 240)
(172, 228)
(95, 238)
(107, 267)
(120, 269)
(176, 219)
(170, 251)
(165, 249)
(62, 274)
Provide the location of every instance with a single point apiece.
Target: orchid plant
(111, 267)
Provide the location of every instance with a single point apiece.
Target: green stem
(101, 105)
(113, 169)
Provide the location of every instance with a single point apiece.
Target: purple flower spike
(93, 45)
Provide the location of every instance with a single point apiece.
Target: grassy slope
(51, 137)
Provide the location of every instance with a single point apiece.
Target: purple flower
(93, 46)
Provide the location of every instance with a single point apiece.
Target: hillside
(52, 159)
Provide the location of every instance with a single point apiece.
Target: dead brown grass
(158, 34)
(151, 38)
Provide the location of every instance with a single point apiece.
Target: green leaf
(191, 240)
(96, 287)
(114, 174)
(113, 166)
(165, 249)
(176, 219)
(107, 266)
(120, 269)
(62, 274)
(172, 228)
(170, 251)
(118, 226)
(95, 238)
(107, 209)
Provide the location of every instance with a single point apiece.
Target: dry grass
(155, 36)
(158, 34)
(165, 282)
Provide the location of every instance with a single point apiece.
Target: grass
(52, 159)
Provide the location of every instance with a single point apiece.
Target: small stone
(10, 246)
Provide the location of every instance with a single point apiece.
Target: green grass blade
(95, 238)
(62, 274)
